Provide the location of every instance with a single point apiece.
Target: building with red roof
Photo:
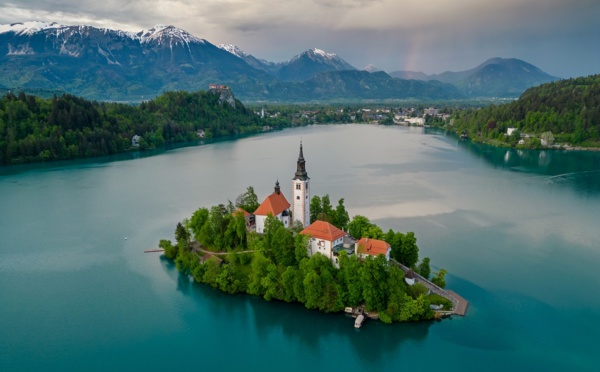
(324, 237)
(372, 247)
(275, 205)
(249, 217)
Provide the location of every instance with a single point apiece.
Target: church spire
(301, 166)
(277, 188)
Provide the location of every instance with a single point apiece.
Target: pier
(459, 304)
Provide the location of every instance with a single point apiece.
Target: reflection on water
(576, 169)
(520, 224)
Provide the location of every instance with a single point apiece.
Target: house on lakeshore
(276, 205)
(135, 141)
(326, 239)
(372, 247)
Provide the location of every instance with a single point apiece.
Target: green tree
(170, 249)
(330, 300)
(282, 243)
(212, 272)
(259, 269)
(288, 281)
(181, 233)
(313, 289)
(396, 295)
(439, 278)
(359, 226)
(409, 254)
(300, 247)
(373, 275)
(198, 220)
(218, 225)
(248, 201)
(327, 213)
(341, 217)
(424, 268)
(270, 283)
(316, 208)
(350, 279)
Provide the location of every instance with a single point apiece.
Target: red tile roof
(274, 204)
(372, 247)
(246, 214)
(323, 230)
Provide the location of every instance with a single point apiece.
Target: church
(277, 205)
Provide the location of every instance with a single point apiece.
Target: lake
(518, 232)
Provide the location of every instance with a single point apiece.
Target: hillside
(496, 77)
(570, 109)
(68, 127)
(348, 85)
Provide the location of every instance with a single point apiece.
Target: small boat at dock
(359, 321)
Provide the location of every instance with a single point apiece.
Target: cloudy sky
(562, 37)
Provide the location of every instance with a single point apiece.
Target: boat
(359, 321)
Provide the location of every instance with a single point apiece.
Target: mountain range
(104, 64)
(496, 77)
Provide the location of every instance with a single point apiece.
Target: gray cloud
(559, 36)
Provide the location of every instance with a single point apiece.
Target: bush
(416, 290)
(436, 299)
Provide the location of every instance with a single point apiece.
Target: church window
(298, 186)
(298, 197)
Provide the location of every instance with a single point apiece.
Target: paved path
(459, 304)
(196, 247)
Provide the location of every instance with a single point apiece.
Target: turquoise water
(516, 230)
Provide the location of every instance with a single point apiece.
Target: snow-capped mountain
(258, 63)
(311, 62)
(233, 49)
(104, 64)
(371, 68)
(29, 28)
(112, 64)
(167, 34)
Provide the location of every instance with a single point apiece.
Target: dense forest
(568, 109)
(275, 265)
(68, 127)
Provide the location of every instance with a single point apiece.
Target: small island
(312, 253)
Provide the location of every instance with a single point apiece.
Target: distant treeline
(68, 127)
(570, 109)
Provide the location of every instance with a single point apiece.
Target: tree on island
(424, 268)
(248, 201)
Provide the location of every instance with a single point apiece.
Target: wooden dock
(154, 250)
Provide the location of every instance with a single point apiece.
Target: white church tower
(301, 192)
